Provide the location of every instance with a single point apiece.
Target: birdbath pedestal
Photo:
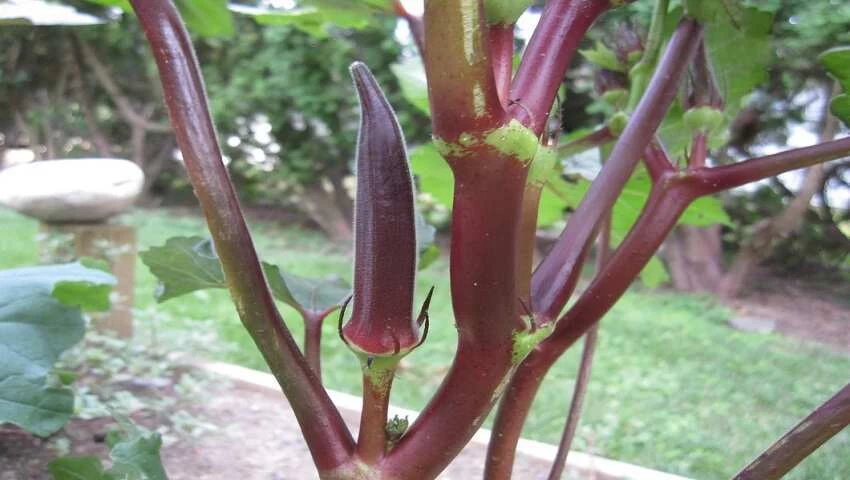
(74, 201)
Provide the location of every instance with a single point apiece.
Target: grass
(673, 388)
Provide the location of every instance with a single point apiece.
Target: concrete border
(543, 451)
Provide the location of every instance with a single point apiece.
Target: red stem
(821, 425)
(603, 253)
(555, 278)
(485, 222)
(324, 430)
(461, 86)
(668, 199)
(372, 437)
(563, 24)
(502, 51)
(313, 339)
(657, 160)
(699, 151)
(730, 176)
(417, 27)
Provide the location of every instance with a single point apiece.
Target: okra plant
(491, 124)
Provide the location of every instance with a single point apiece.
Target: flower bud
(382, 321)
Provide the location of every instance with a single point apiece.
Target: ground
(673, 388)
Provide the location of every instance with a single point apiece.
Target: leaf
(433, 174)
(184, 265)
(187, 264)
(737, 74)
(77, 468)
(207, 18)
(134, 457)
(308, 294)
(137, 457)
(40, 317)
(411, 78)
(837, 63)
(654, 274)
(317, 17)
(604, 57)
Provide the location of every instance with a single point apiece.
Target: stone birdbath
(76, 199)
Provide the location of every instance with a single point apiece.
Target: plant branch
(603, 252)
(502, 51)
(324, 430)
(724, 177)
(555, 278)
(377, 382)
(313, 339)
(812, 432)
(563, 23)
(461, 87)
(657, 160)
(414, 22)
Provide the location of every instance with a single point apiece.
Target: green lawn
(672, 389)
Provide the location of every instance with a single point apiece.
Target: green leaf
(837, 63)
(433, 174)
(317, 17)
(505, 11)
(77, 468)
(310, 295)
(184, 265)
(40, 317)
(187, 264)
(604, 57)
(411, 77)
(135, 457)
(737, 74)
(207, 18)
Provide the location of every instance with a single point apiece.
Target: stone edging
(543, 451)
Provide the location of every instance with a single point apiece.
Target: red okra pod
(382, 321)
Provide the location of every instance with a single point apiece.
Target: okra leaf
(837, 63)
(187, 264)
(318, 17)
(411, 78)
(134, 457)
(41, 317)
(207, 18)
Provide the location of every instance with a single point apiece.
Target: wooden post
(116, 244)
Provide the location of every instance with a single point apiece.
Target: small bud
(382, 321)
(704, 120)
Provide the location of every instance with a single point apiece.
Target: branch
(603, 252)
(461, 87)
(414, 22)
(725, 177)
(324, 430)
(118, 98)
(502, 51)
(812, 432)
(563, 23)
(556, 276)
(657, 160)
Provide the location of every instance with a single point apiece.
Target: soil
(256, 439)
(813, 312)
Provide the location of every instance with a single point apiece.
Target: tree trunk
(694, 258)
(321, 205)
(767, 233)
